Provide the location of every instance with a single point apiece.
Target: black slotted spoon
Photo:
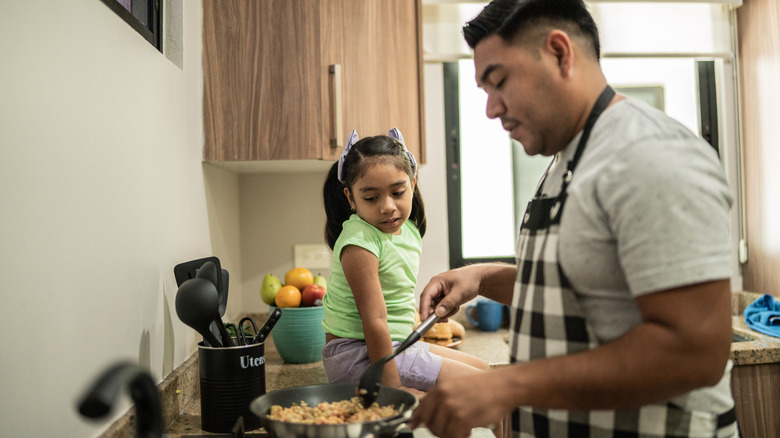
(368, 387)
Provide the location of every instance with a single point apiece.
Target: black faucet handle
(101, 395)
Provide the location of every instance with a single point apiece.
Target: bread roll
(440, 330)
(458, 331)
(442, 333)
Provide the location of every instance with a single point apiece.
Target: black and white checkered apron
(547, 321)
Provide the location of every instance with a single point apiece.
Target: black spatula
(368, 387)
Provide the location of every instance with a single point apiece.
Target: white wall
(278, 211)
(433, 179)
(101, 194)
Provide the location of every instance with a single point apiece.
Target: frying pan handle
(395, 423)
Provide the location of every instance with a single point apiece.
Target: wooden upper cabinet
(289, 79)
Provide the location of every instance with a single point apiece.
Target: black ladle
(211, 272)
(197, 304)
(368, 387)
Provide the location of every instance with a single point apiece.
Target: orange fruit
(288, 296)
(298, 277)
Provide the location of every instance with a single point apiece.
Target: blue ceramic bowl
(298, 335)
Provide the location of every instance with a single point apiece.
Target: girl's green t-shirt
(399, 262)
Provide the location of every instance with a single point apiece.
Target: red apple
(312, 295)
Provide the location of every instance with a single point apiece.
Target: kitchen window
(686, 67)
(489, 177)
(145, 16)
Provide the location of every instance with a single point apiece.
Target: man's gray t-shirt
(647, 210)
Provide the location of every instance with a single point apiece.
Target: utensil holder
(230, 378)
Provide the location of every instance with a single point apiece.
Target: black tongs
(267, 326)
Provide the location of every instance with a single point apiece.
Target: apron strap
(601, 104)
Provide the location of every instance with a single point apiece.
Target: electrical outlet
(313, 256)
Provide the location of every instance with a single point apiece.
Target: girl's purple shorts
(346, 360)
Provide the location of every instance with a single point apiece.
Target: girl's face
(382, 197)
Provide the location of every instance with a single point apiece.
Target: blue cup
(489, 315)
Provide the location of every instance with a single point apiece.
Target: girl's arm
(361, 268)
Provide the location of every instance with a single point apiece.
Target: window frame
(452, 146)
(153, 34)
(708, 121)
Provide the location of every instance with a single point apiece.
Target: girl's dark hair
(369, 150)
(511, 18)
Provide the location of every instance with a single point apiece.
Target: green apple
(270, 287)
(322, 281)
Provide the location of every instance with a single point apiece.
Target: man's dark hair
(509, 19)
(488, 21)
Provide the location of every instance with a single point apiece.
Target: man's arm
(682, 344)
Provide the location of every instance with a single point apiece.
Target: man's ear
(560, 46)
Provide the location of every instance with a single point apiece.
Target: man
(621, 299)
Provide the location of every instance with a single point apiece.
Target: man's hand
(454, 407)
(447, 291)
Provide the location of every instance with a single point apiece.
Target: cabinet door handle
(336, 122)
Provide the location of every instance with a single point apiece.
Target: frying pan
(403, 401)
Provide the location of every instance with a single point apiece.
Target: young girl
(375, 223)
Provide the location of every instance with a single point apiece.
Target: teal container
(298, 335)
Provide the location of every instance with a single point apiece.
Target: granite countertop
(490, 346)
(759, 348)
(277, 375)
(180, 391)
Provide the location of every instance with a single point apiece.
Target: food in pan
(340, 412)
